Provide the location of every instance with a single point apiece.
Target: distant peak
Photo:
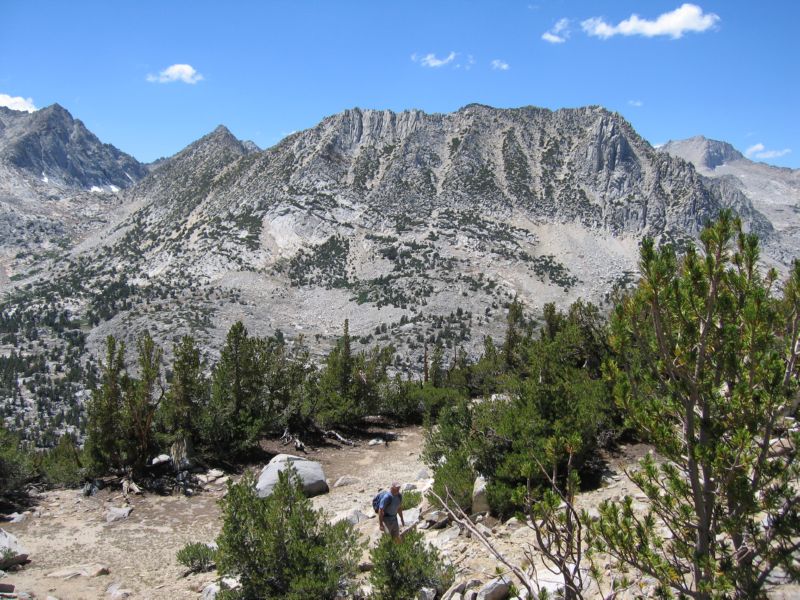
(703, 152)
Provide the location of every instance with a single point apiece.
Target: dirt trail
(140, 550)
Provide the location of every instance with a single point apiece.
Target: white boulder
(312, 477)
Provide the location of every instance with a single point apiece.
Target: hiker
(390, 506)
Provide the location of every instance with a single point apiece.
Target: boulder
(118, 514)
(312, 477)
(423, 474)
(411, 516)
(376, 442)
(480, 503)
(496, 589)
(426, 593)
(11, 551)
(408, 487)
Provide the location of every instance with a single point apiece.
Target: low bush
(280, 547)
(455, 478)
(401, 569)
(197, 557)
(411, 499)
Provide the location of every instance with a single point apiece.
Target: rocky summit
(416, 227)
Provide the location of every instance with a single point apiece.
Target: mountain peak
(703, 152)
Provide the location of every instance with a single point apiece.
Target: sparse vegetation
(401, 570)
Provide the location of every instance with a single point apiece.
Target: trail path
(140, 551)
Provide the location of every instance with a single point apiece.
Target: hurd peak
(703, 152)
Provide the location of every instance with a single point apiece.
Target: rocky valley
(417, 228)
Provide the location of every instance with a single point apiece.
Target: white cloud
(685, 18)
(760, 151)
(500, 65)
(559, 33)
(430, 60)
(179, 72)
(17, 103)
(636, 103)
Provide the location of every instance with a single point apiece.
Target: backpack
(376, 501)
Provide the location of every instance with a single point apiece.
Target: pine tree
(234, 420)
(104, 410)
(187, 396)
(141, 401)
(706, 370)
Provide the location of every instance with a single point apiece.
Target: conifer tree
(706, 371)
(141, 400)
(187, 396)
(105, 409)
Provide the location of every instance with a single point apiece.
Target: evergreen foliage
(705, 369)
(401, 569)
(15, 464)
(105, 409)
(280, 547)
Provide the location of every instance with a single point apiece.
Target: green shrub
(280, 547)
(197, 557)
(411, 499)
(401, 569)
(455, 477)
(62, 466)
(15, 464)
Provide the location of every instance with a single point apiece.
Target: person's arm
(380, 519)
(400, 513)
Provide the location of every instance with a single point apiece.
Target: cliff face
(50, 144)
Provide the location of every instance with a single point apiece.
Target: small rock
(480, 502)
(496, 589)
(89, 489)
(426, 593)
(16, 517)
(407, 487)
(411, 516)
(346, 480)
(117, 592)
(447, 536)
(376, 442)
(353, 516)
(210, 591)
(118, 514)
(161, 459)
(11, 551)
(456, 588)
(89, 570)
(365, 566)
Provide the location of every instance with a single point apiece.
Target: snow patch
(96, 189)
(44, 178)
(114, 188)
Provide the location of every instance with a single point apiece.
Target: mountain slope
(772, 191)
(417, 228)
(51, 145)
(58, 182)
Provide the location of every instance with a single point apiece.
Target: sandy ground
(140, 550)
(67, 529)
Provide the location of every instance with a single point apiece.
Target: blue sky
(726, 69)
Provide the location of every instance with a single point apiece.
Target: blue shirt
(390, 505)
